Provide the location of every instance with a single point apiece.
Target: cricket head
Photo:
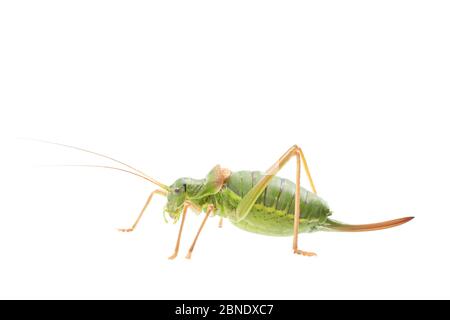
(176, 197)
(194, 191)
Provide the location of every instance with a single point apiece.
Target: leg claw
(125, 230)
(173, 256)
(305, 253)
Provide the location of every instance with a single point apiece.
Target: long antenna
(141, 173)
(94, 166)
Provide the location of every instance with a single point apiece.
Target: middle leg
(208, 212)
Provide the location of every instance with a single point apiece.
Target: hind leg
(250, 198)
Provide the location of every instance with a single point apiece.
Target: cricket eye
(179, 190)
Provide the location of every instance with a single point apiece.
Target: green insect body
(253, 201)
(273, 212)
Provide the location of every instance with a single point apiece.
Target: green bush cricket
(251, 200)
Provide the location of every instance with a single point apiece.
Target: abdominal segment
(273, 212)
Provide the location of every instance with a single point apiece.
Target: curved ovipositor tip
(338, 226)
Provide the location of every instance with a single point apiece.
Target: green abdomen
(273, 212)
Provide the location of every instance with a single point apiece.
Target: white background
(174, 88)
